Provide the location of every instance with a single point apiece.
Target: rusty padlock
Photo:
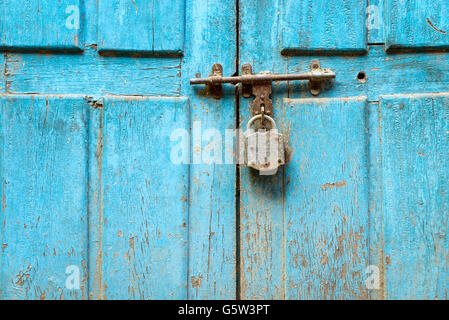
(265, 150)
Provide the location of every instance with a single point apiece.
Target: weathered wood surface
(43, 170)
(211, 38)
(141, 26)
(138, 200)
(30, 25)
(375, 21)
(3, 72)
(86, 182)
(416, 24)
(410, 239)
(326, 198)
(152, 229)
(385, 74)
(312, 230)
(92, 74)
(311, 26)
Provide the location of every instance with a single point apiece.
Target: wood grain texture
(92, 74)
(89, 183)
(416, 24)
(305, 230)
(211, 38)
(3, 72)
(310, 26)
(415, 202)
(262, 236)
(207, 261)
(141, 26)
(262, 215)
(90, 22)
(385, 74)
(326, 198)
(43, 163)
(295, 243)
(138, 200)
(95, 75)
(25, 25)
(375, 21)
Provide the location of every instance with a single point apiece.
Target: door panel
(326, 199)
(141, 26)
(43, 162)
(305, 231)
(139, 204)
(415, 170)
(173, 234)
(323, 26)
(416, 24)
(24, 25)
(358, 212)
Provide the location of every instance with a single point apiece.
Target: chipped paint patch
(196, 282)
(339, 184)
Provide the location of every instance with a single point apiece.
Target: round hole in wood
(361, 76)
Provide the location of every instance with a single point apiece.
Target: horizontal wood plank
(384, 74)
(92, 74)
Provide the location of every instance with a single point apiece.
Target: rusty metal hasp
(252, 83)
(263, 150)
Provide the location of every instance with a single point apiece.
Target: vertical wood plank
(338, 247)
(326, 198)
(262, 236)
(262, 240)
(415, 184)
(138, 204)
(91, 74)
(43, 157)
(376, 272)
(90, 22)
(375, 21)
(210, 38)
(3, 79)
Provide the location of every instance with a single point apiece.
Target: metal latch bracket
(259, 84)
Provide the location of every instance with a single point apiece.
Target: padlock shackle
(250, 122)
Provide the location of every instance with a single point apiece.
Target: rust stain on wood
(196, 282)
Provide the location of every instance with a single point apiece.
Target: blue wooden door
(92, 206)
(366, 194)
(92, 94)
